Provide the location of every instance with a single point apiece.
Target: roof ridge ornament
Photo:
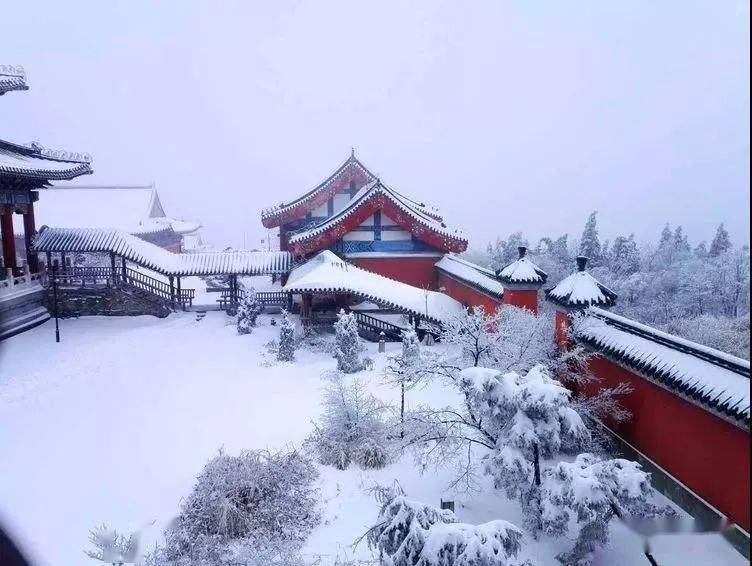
(13, 71)
(60, 154)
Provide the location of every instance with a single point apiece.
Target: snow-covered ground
(114, 423)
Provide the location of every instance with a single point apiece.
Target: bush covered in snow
(353, 428)
(409, 533)
(593, 491)
(248, 310)
(286, 351)
(107, 545)
(347, 343)
(247, 504)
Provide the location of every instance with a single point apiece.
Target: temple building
(359, 217)
(137, 210)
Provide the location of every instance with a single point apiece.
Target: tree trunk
(536, 464)
(402, 410)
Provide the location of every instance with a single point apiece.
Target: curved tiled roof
(366, 195)
(12, 78)
(327, 273)
(238, 262)
(580, 290)
(39, 164)
(710, 378)
(522, 271)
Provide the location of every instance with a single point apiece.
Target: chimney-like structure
(522, 280)
(577, 292)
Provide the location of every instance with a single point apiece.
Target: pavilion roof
(378, 196)
(713, 379)
(36, 164)
(580, 290)
(522, 271)
(327, 273)
(12, 78)
(133, 248)
(133, 209)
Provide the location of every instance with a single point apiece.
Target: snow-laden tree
(407, 369)
(348, 347)
(248, 310)
(590, 245)
(593, 491)
(286, 350)
(252, 501)
(410, 533)
(530, 418)
(721, 243)
(109, 546)
(355, 428)
(503, 252)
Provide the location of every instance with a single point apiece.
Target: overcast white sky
(508, 116)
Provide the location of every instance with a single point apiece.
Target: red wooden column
(9, 242)
(30, 230)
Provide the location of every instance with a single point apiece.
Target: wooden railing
(372, 324)
(98, 276)
(278, 298)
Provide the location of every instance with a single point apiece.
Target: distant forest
(700, 292)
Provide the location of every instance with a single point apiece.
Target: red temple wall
(525, 299)
(706, 453)
(468, 296)
(416, 271)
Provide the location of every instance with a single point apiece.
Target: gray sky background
(508, 116)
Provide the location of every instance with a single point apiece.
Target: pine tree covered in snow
(409, 533)
(406, 369)
(354, 428)
(347, 343)
(721, 243)
(590, 245)
(286, 351)
(256, 500)
(593, 491)
(248, 310)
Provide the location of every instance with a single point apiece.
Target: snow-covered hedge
(244, 505)
(286, 351)
(410, 533)
(347, 343)
(248, 310)
(354, 428)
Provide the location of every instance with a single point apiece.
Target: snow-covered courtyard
(114, 423)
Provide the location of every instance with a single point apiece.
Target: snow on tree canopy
(474, 275)
(522, 271)
(580, 289)
(326, 273)
(716, 380)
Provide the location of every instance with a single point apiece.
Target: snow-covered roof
(12, 78)
(135, 249)
(580, 289)
(38, 164)
(523, 271)
(405, 212)
(327, 273)
(709, 377)
(133, 209)
(470, 273)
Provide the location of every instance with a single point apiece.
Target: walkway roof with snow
(35, 165)
(12, 78)
(327, 273)
(135, 249)
(471, 274)
(710, 378)
(132, 209)
(370, 198)
(522, 271)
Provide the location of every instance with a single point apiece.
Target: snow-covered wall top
(714, 379)
(158, 259)
(327, 273)
(474, 275)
